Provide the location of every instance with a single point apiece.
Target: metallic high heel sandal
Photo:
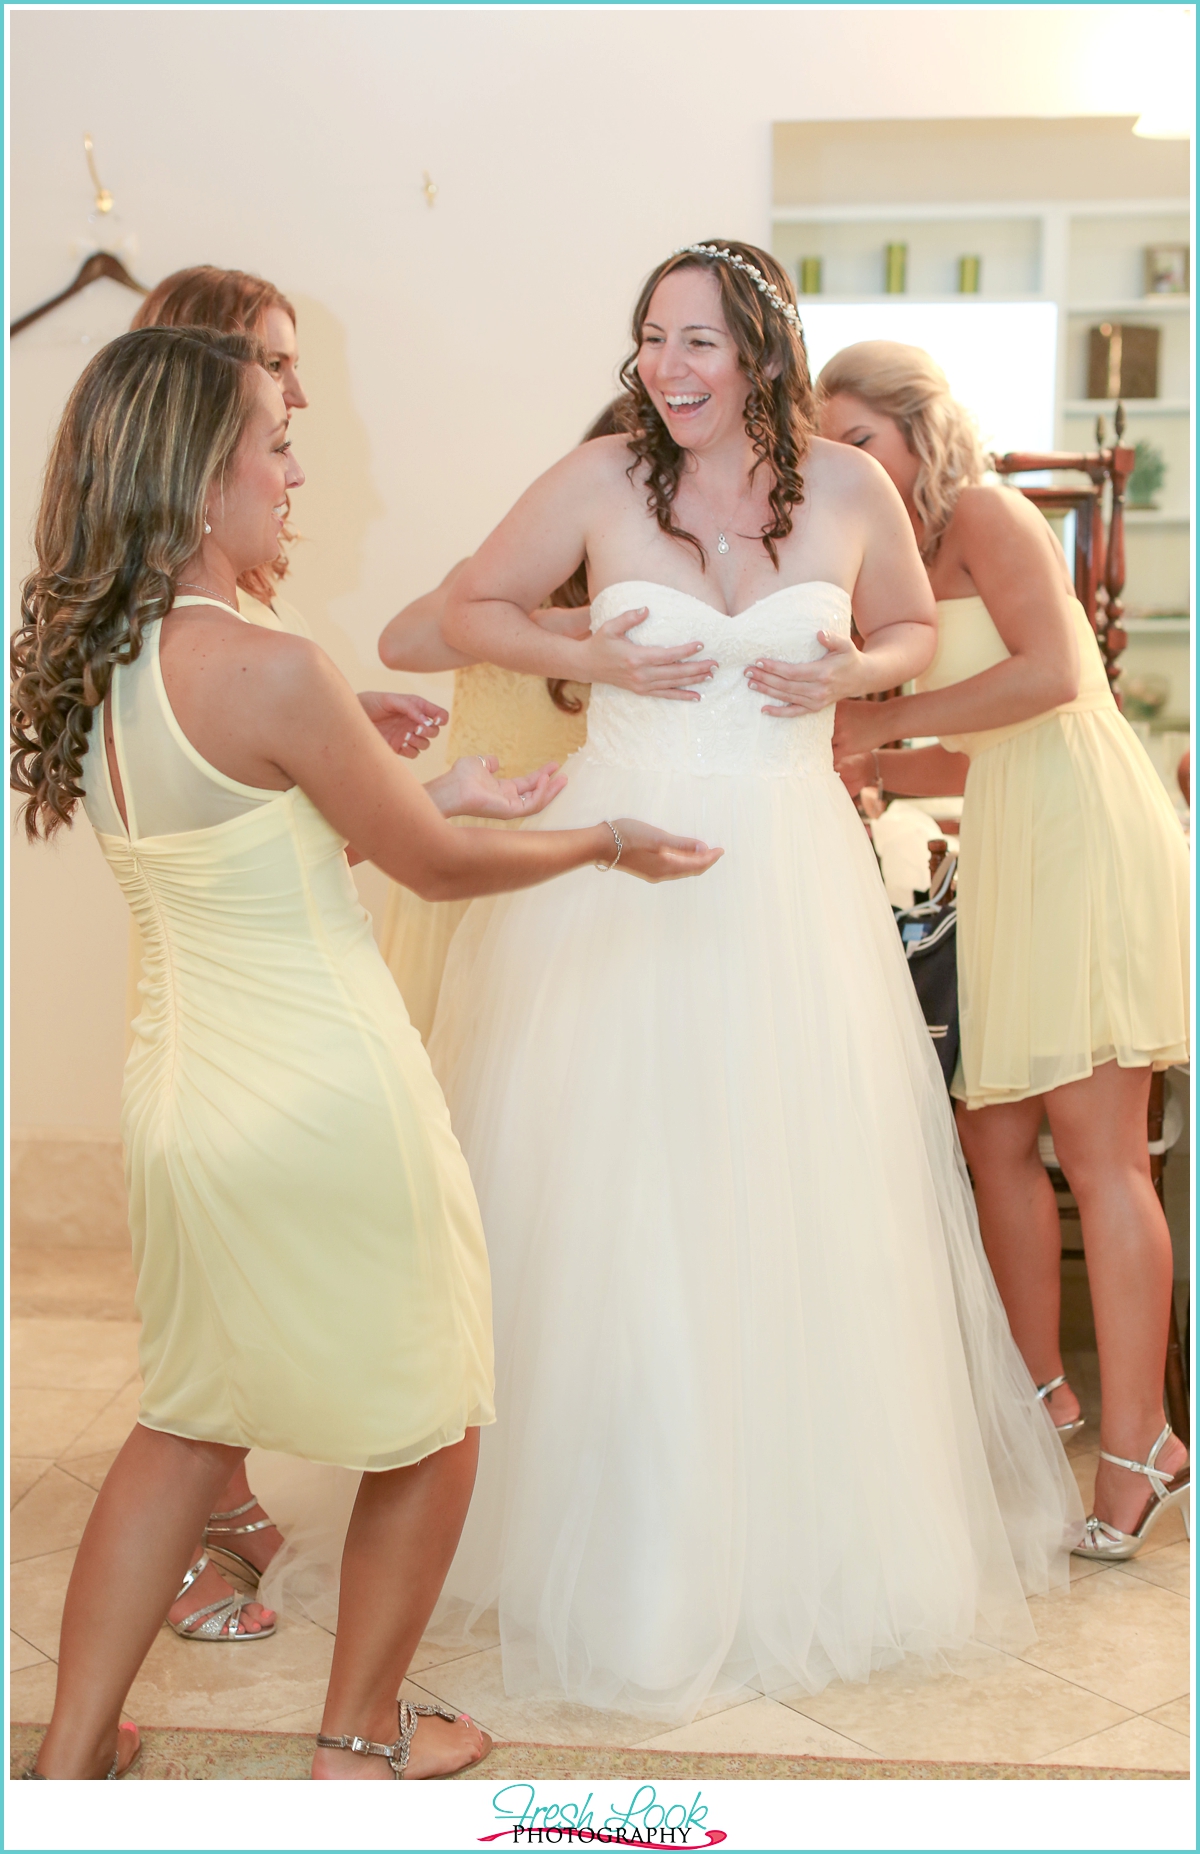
(1100, 1540)
(217, 1622)
(397, 1754)
(35, 1776)
(224, 1555)
(1044, 1390)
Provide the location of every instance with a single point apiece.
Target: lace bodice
(724, 732)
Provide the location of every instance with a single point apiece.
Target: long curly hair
(233, 302)
(151, 426)
(907, 385)
(780, 406)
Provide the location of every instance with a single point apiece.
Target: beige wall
(451, 353)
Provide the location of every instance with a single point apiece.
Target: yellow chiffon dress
(1073, 883)
(278, 616)
(311, 1270)
(496, 711)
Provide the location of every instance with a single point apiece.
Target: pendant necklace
(193, 586)
(722, 537)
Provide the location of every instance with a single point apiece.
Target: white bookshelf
(1086, 257)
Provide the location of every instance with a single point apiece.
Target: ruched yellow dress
(1073, 880)
(496, 711)
(312, 1276)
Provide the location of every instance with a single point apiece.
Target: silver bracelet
(620, 846)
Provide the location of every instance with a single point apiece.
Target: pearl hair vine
(787, 310)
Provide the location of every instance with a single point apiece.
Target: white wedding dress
(760, 1416)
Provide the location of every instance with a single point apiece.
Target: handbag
(928, 933)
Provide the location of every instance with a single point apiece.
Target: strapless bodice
(726, 731)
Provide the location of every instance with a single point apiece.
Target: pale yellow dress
(312, 1276)
(278, 616)
(1073, 884)
(496, 711)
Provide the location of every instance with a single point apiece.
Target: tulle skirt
(760, 1414)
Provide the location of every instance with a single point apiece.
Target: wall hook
(428, 188)
(104, 199)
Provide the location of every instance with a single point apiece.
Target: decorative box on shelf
(1123, 361)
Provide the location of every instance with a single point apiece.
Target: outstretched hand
(667, 673)
(471, 789)
(806, 688)
(655, 856)
(407, 722)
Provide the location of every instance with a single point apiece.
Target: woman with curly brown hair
(240, 1537)
(311, 1269)
(762, 1417)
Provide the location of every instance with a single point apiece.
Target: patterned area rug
(175, 1755)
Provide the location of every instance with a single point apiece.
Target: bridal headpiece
(787, 310)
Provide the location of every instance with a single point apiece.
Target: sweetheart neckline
(716, 609)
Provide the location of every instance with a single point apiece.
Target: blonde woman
(1073, 911)
(312, 1276)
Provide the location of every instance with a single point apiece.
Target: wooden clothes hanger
(99, 264)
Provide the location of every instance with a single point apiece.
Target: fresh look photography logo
(528, 1820)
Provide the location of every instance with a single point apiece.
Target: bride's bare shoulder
(591, 471)
(601, 460)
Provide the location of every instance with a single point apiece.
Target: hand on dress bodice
(722, 728)
(670, 671)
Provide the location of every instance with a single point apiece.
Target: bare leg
(1018, 1220)
(1099, 1127)
(258, 1547)
(403, 1533)
(135, 1548)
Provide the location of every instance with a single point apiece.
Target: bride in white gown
(761, 1419)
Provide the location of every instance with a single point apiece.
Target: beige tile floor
(1106, 1682)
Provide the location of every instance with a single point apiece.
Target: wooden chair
(1099, 567)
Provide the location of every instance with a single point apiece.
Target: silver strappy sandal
(216, 1622)
(1108, 1543)
(1044, 1390)
(397, 1754)
(224, 1556)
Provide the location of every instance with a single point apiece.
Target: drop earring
(207, 529)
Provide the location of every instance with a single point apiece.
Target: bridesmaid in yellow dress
(1072, 911)
(312, 1276)
(240, 1536)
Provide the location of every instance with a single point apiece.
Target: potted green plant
(1146, 478)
